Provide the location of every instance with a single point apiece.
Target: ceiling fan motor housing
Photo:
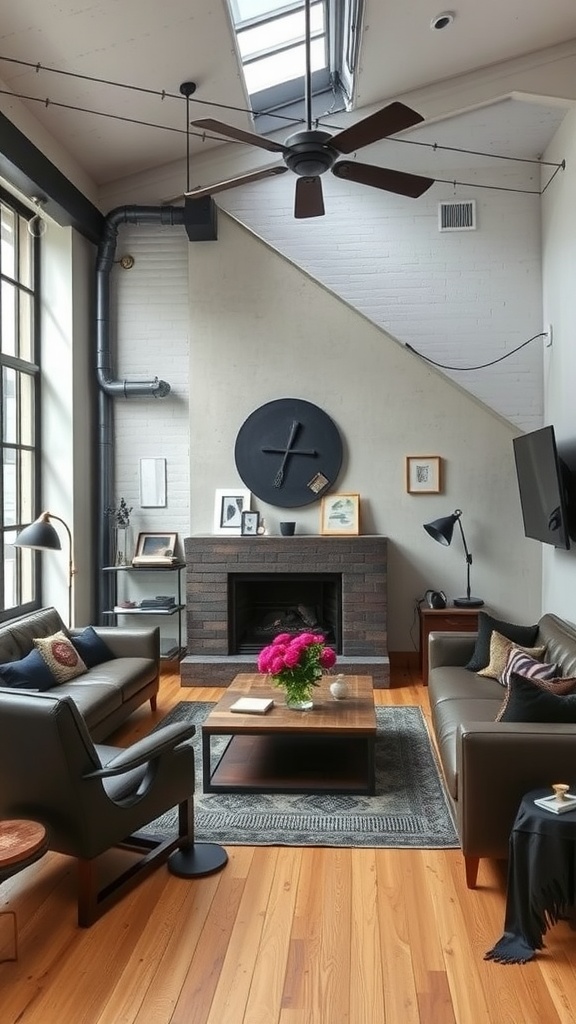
(309, 153)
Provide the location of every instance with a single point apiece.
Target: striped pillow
(525, 665)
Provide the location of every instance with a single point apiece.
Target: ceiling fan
(311, 152)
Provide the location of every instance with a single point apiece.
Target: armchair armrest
(450, 648)
(497, 763)
(146, 749)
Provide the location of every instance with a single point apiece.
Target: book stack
(157, 603)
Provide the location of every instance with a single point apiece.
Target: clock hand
(281, 451)
(280, 474)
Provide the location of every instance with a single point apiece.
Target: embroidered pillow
(527, 666)
(500, 647)
(527, 700)
(61, 657)
(520, 635)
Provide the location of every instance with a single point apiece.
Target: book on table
(252, 705)
(550, 803)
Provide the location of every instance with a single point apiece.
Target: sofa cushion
(530, 700)
(523, 635)
(525, 665)
(61, 656)
(26, 628)
(447, 716)
(126, 675)
(92, 648)
(500, 647)
(29, 673)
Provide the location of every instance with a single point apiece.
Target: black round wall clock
(288, 452)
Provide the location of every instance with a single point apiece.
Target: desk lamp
(441, 530)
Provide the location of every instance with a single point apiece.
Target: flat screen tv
(545, 487)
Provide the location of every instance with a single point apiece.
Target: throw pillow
(524, 635)
(528, 701)
(525, 665)
(30, 673)
(500, 648)
(92, 648)
(61, 656)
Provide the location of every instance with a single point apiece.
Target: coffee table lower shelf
(253, 763)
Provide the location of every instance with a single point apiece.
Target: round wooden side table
(21, 843)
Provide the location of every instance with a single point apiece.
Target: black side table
(541, 878)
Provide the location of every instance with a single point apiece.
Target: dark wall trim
(27, 169)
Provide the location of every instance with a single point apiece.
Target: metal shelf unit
(168, 650)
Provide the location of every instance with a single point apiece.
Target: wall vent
(459, 216)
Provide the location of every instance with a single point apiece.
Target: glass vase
(299, 698)
(122, 554)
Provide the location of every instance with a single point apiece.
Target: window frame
(30, 367)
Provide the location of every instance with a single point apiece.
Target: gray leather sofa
(488, 766)
(106, 694)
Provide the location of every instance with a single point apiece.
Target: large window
(19, 381)
(271, 41)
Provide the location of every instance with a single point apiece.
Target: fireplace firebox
(237, 586)
(261, 605)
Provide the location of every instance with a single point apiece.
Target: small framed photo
(229, 505)
(423, 474)
(250, 524)
(157, 545)
(340, 514)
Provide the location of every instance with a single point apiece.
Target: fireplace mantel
(211, 560)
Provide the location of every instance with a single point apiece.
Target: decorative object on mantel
(423, 474)
(441, 530)
(340, 514)
(250, 524)
(121, 525)
(296, 664)
(288, 452)
(229, 504)
(288, 529)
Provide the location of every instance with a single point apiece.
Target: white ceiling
(156, 45)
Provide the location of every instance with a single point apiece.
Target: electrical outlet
(548, 338)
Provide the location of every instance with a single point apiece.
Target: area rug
(410, 808)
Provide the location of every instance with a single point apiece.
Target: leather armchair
(90, 797)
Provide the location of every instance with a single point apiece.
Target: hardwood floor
(281, 936)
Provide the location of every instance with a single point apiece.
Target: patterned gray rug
(410, 808)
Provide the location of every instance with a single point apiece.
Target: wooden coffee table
(329, 749)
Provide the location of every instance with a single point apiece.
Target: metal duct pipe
(109, 387)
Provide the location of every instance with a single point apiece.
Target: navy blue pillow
(30, 673)
(91, 647)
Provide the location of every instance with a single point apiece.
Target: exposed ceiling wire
(162, 94)
(482, 366)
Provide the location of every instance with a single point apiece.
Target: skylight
(271, 42)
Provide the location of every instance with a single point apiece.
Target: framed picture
(156, 544)
(152, 483)
(229, 504)
(340, 514)
(250, 524)
(423, 474)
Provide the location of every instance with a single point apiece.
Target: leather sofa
(488, 766)
(107, 693)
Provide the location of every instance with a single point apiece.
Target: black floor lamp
(42, 535)
(442, 530)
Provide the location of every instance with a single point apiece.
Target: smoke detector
(440, 21)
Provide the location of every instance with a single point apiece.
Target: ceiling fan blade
(208, 124)
(241, 179)
(308, 200)
(400, 182)
(391, 119)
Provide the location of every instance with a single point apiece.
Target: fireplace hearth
(237, 587)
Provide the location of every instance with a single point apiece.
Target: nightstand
(443, 620)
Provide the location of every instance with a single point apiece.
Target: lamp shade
(442, 529)
(40, 534)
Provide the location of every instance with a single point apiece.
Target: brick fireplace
(342, 578)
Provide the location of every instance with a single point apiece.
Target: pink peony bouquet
(296, 662)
